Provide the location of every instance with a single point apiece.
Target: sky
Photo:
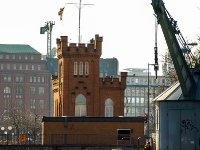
(127, 26)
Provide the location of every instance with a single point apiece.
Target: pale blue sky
(127, 26)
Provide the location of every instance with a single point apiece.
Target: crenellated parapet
(65, 49)
(114, 82)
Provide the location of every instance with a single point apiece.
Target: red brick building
(80, 92)
(78, 89)
(24, 79)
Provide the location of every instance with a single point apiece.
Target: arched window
(80, 105)
(7, 90)
(109, 108)
(86, 68)
(19, 90)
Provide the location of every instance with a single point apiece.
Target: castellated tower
(78, 89)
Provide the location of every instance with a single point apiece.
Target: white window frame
(81, 68)
(86, 68)
(75, 68)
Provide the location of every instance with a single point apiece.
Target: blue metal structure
(177, 108)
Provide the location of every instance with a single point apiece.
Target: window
(41, 104)
(17, 79)
(25, 57)
(8, 66)
(1, 56)
(20, 57)
(31, 79)
(9, 79)
(7, 103)
(34, 79)
(80, 105)
(38, 79)
(13, 57)
(42, 79)
(32, 57)
(86, 68)
(26, 67)
(32, 90)
(19, 103)
(41, 90)
(75, 68)
(136, 80)
(14, 66)
(101, 74)
(20, 67)
(39, 67)
(109, 108)
(7, 56)
(81, 68)
(19, 90)
(1, 66)
(32, 104)
(7, 90)
(32, 67)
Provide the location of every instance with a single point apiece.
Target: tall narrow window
(41, 90)
(42, 79)
(7, 103)
(31, 79)
(8, 66)
(26, 67)
(34, 79)
(13, 56)
(81, 68)
(39, 67)
(14, 66)
(41, 104)
(32, 103)
(38, 79)
(20, 67)
(32, 90)
(86, 68)
(1, 66)
(109, 108)
(32, 67)
(19, 90)
(75, 68)
(19, 103)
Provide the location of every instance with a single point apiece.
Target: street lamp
(148, 99)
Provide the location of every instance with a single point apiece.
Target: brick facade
(69, 85)
(91, 130)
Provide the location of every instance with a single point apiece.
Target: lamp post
(9, 129)
(148, 101)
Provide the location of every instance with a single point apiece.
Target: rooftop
(17, 48)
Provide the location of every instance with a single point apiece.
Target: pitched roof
(17, 48)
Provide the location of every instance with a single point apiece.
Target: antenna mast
(79, 6)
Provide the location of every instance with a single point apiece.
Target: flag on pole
(60, 13)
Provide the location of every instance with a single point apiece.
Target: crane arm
(174, 39)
